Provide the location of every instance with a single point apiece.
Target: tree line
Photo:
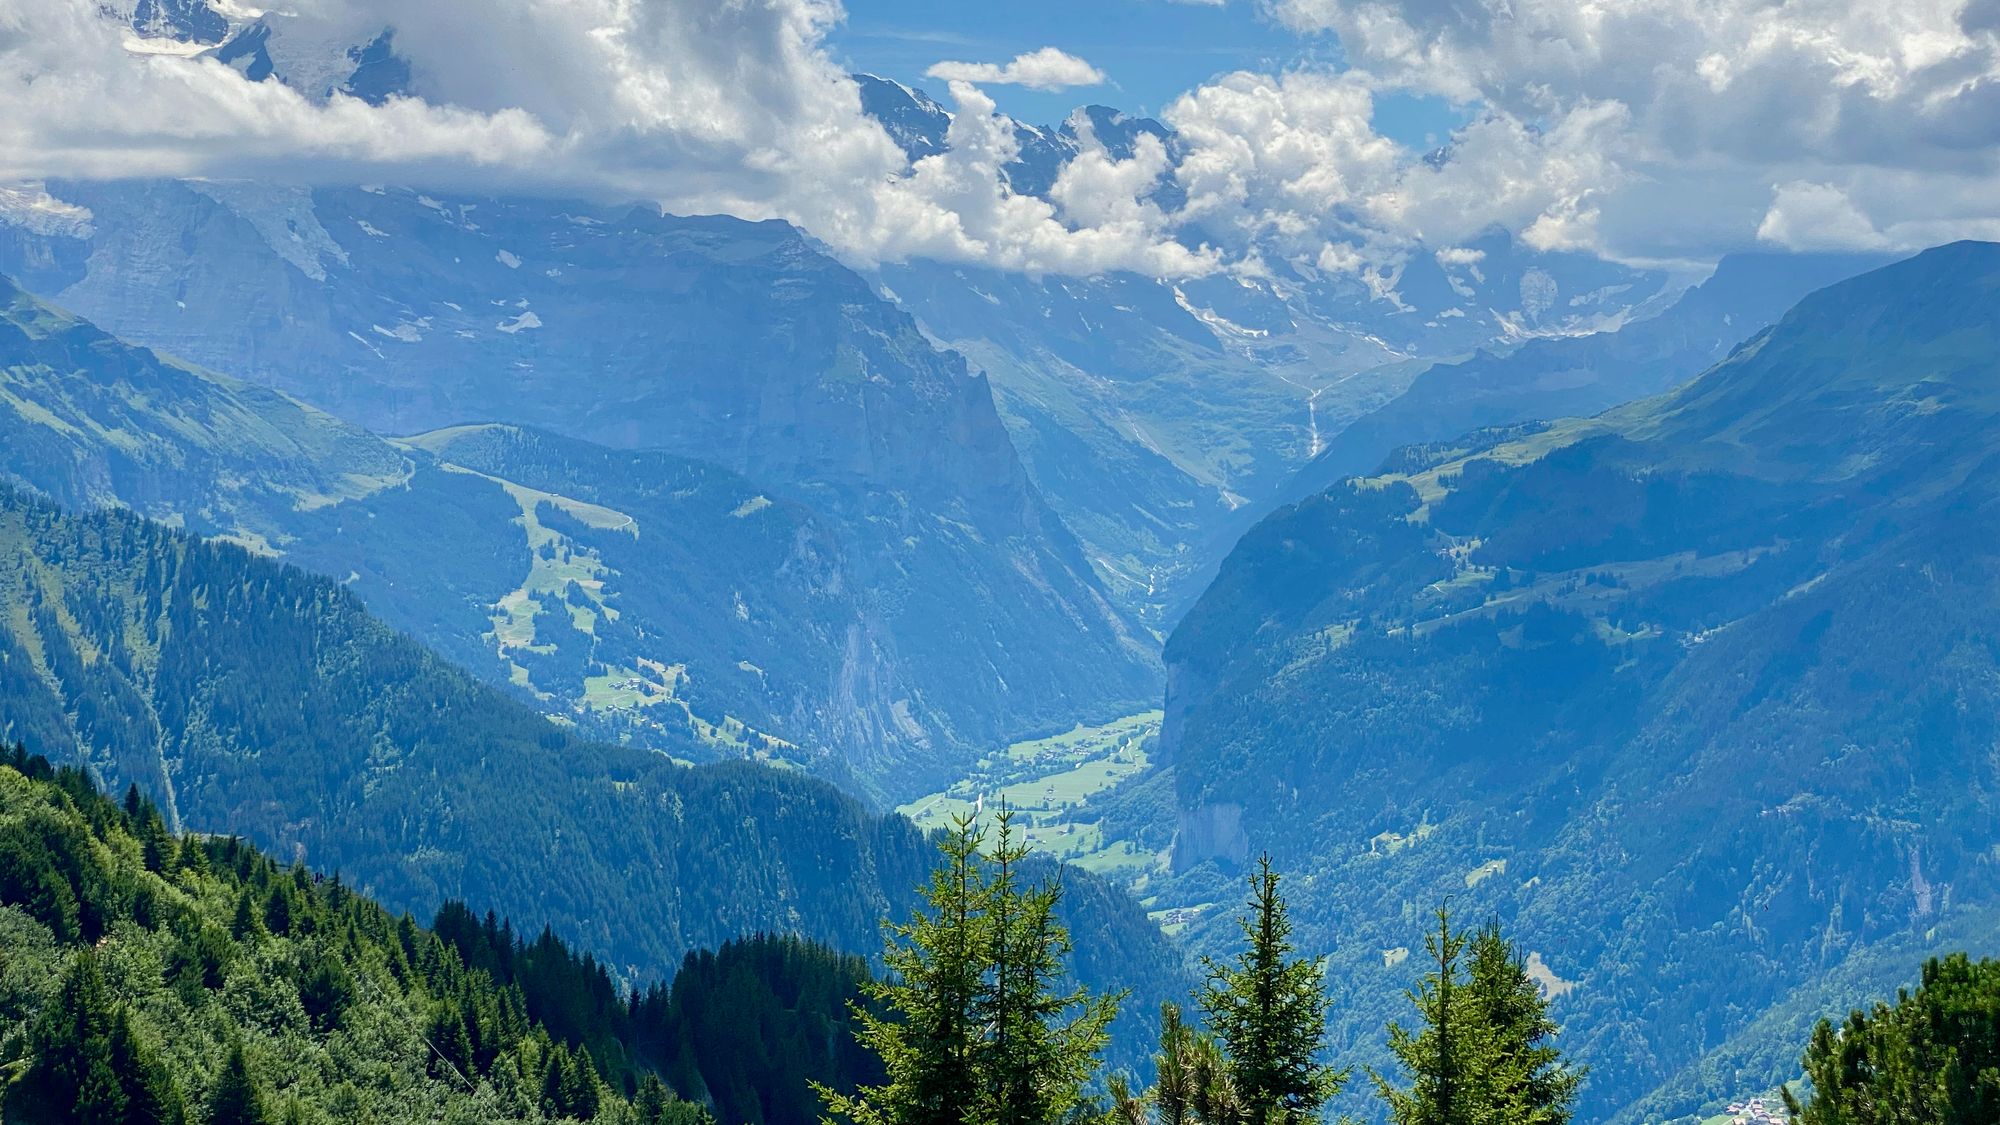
(977, 1023)
(148, 978)
(151, 978)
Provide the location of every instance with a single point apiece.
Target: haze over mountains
(491, 537)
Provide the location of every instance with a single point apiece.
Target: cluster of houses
(1757, 1111)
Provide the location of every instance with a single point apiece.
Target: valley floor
(1078, 793)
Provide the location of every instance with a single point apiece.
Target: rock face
(1707, 672)
(972, 616)
(1211, 833)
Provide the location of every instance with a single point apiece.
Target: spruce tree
(151, 1096)
(1269, 1009)
(1437, 1058)
(236, 1098)
(1040, 1040)
(1521, 1077)
(926, 1031)
(74, 1076)
(975, 1026)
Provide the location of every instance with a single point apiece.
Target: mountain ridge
(919, 507)
(1711, 662)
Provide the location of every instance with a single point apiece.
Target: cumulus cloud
(1696, 108)
(1280, 160)
(1644, 129)
(956, 205)
(1046, 69)
(732, 108)
(1807, 216)
(1292, 165)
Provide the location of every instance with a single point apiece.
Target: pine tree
(928, 1038)
(1269, 1009)
(977, 1027)
(236, 1098)
(1931, 1058)
(1041, 1042)
(1192, 1083)
(74, 1075)
(1438, 1057)
(1173, 1089)
(1521, 1076)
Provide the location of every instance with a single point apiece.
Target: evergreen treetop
(1269, 1010)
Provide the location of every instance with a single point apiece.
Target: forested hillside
(152, 979)
(738, 344)
(1697, 696)
(253, 699)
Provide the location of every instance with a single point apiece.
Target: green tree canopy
(1269, 1009)
(976, 1024)
(1931, 1058)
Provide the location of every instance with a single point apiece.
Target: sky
(1150, 52)
(1309, 135)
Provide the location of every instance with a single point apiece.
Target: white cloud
(75, 102)
(703, 108)
(955, 205)
(1279, 160)
(1645, 128)
(1807, 216)
(1046, 69)
(1696, 107)
(1292, 165)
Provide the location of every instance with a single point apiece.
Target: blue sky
(1149, 50)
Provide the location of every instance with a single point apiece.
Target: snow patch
(1216, 322)
(310, 56)
(370, 229)
(408, 331)
(30, 207)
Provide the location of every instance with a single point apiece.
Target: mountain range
(1694, 695)
(615, 569)
(945, 608)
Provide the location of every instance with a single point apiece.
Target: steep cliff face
(1211, 833)
(970, 614)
